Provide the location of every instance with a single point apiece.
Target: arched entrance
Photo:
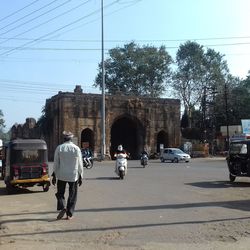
(87, 138)
(130, 133)
(162, 138)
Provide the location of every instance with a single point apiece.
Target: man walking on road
(68, 168)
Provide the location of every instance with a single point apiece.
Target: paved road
(164, 206)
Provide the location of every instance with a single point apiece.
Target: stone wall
(136, 123)
(152, 121)
(27, 130)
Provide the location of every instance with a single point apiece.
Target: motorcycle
(144, 160)
(121, 165)
(88, 162)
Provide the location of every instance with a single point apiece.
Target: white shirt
(68, 164)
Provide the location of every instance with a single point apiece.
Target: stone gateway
(135, 122)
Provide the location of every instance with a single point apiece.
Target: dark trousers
(71, 202)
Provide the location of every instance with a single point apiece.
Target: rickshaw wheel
(10, 189)
(46, 187)
(232, 177)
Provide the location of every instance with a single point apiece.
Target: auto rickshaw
(26, 164)
(238, 159)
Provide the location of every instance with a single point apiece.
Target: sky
(48, 46)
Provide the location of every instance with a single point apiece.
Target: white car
(174, 155)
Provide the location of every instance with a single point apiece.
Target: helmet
(120, 148)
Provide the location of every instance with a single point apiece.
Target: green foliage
(5, 136)
(234, 93)
(238, 100)
(198, 73)
(135, 70)
(45, 122)
(1, 120)
(187, 79)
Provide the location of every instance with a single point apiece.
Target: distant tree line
(211, 97)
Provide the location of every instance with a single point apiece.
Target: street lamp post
(227, 119)
(103, 150)
(204, 114)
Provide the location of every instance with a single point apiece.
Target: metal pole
(103, 91)
(204, 114)
(227, 120)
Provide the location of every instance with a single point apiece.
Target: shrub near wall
(200, 150)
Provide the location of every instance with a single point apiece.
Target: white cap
(67, 135)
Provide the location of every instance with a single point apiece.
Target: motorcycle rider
(144, 152)
(120, 150)
(86, 156)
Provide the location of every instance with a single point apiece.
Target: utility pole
(103, 150)
(213, 131)
(227, 120)
(204, 106)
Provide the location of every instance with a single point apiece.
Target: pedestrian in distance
(87, 156)
(67, 169)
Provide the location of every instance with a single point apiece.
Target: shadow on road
(101, 178)
(236, 204)
(124, 227)
(17, 191)
(219, 184)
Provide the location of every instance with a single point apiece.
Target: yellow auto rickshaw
(26, 164)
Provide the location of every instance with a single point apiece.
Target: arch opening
(130, 134)
(162, 140)
(87, 139)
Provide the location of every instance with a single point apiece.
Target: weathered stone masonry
(136, 123)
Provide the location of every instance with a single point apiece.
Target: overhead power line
(98, 49)
(17, 99)
(39, 25)
(119, 40)
(40, 39)
(23, 17)
(131, 3)
(43, 90)
(55, 49)
(51, 86)
(53, 32)
(6, 81)
(17, 11)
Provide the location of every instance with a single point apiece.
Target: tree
(45, 122)
(4, 136)
(135, 70)
(215, 69)
(198, 73)
(214, 80)
(1, 120)
(187, 79)
(236, 92)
